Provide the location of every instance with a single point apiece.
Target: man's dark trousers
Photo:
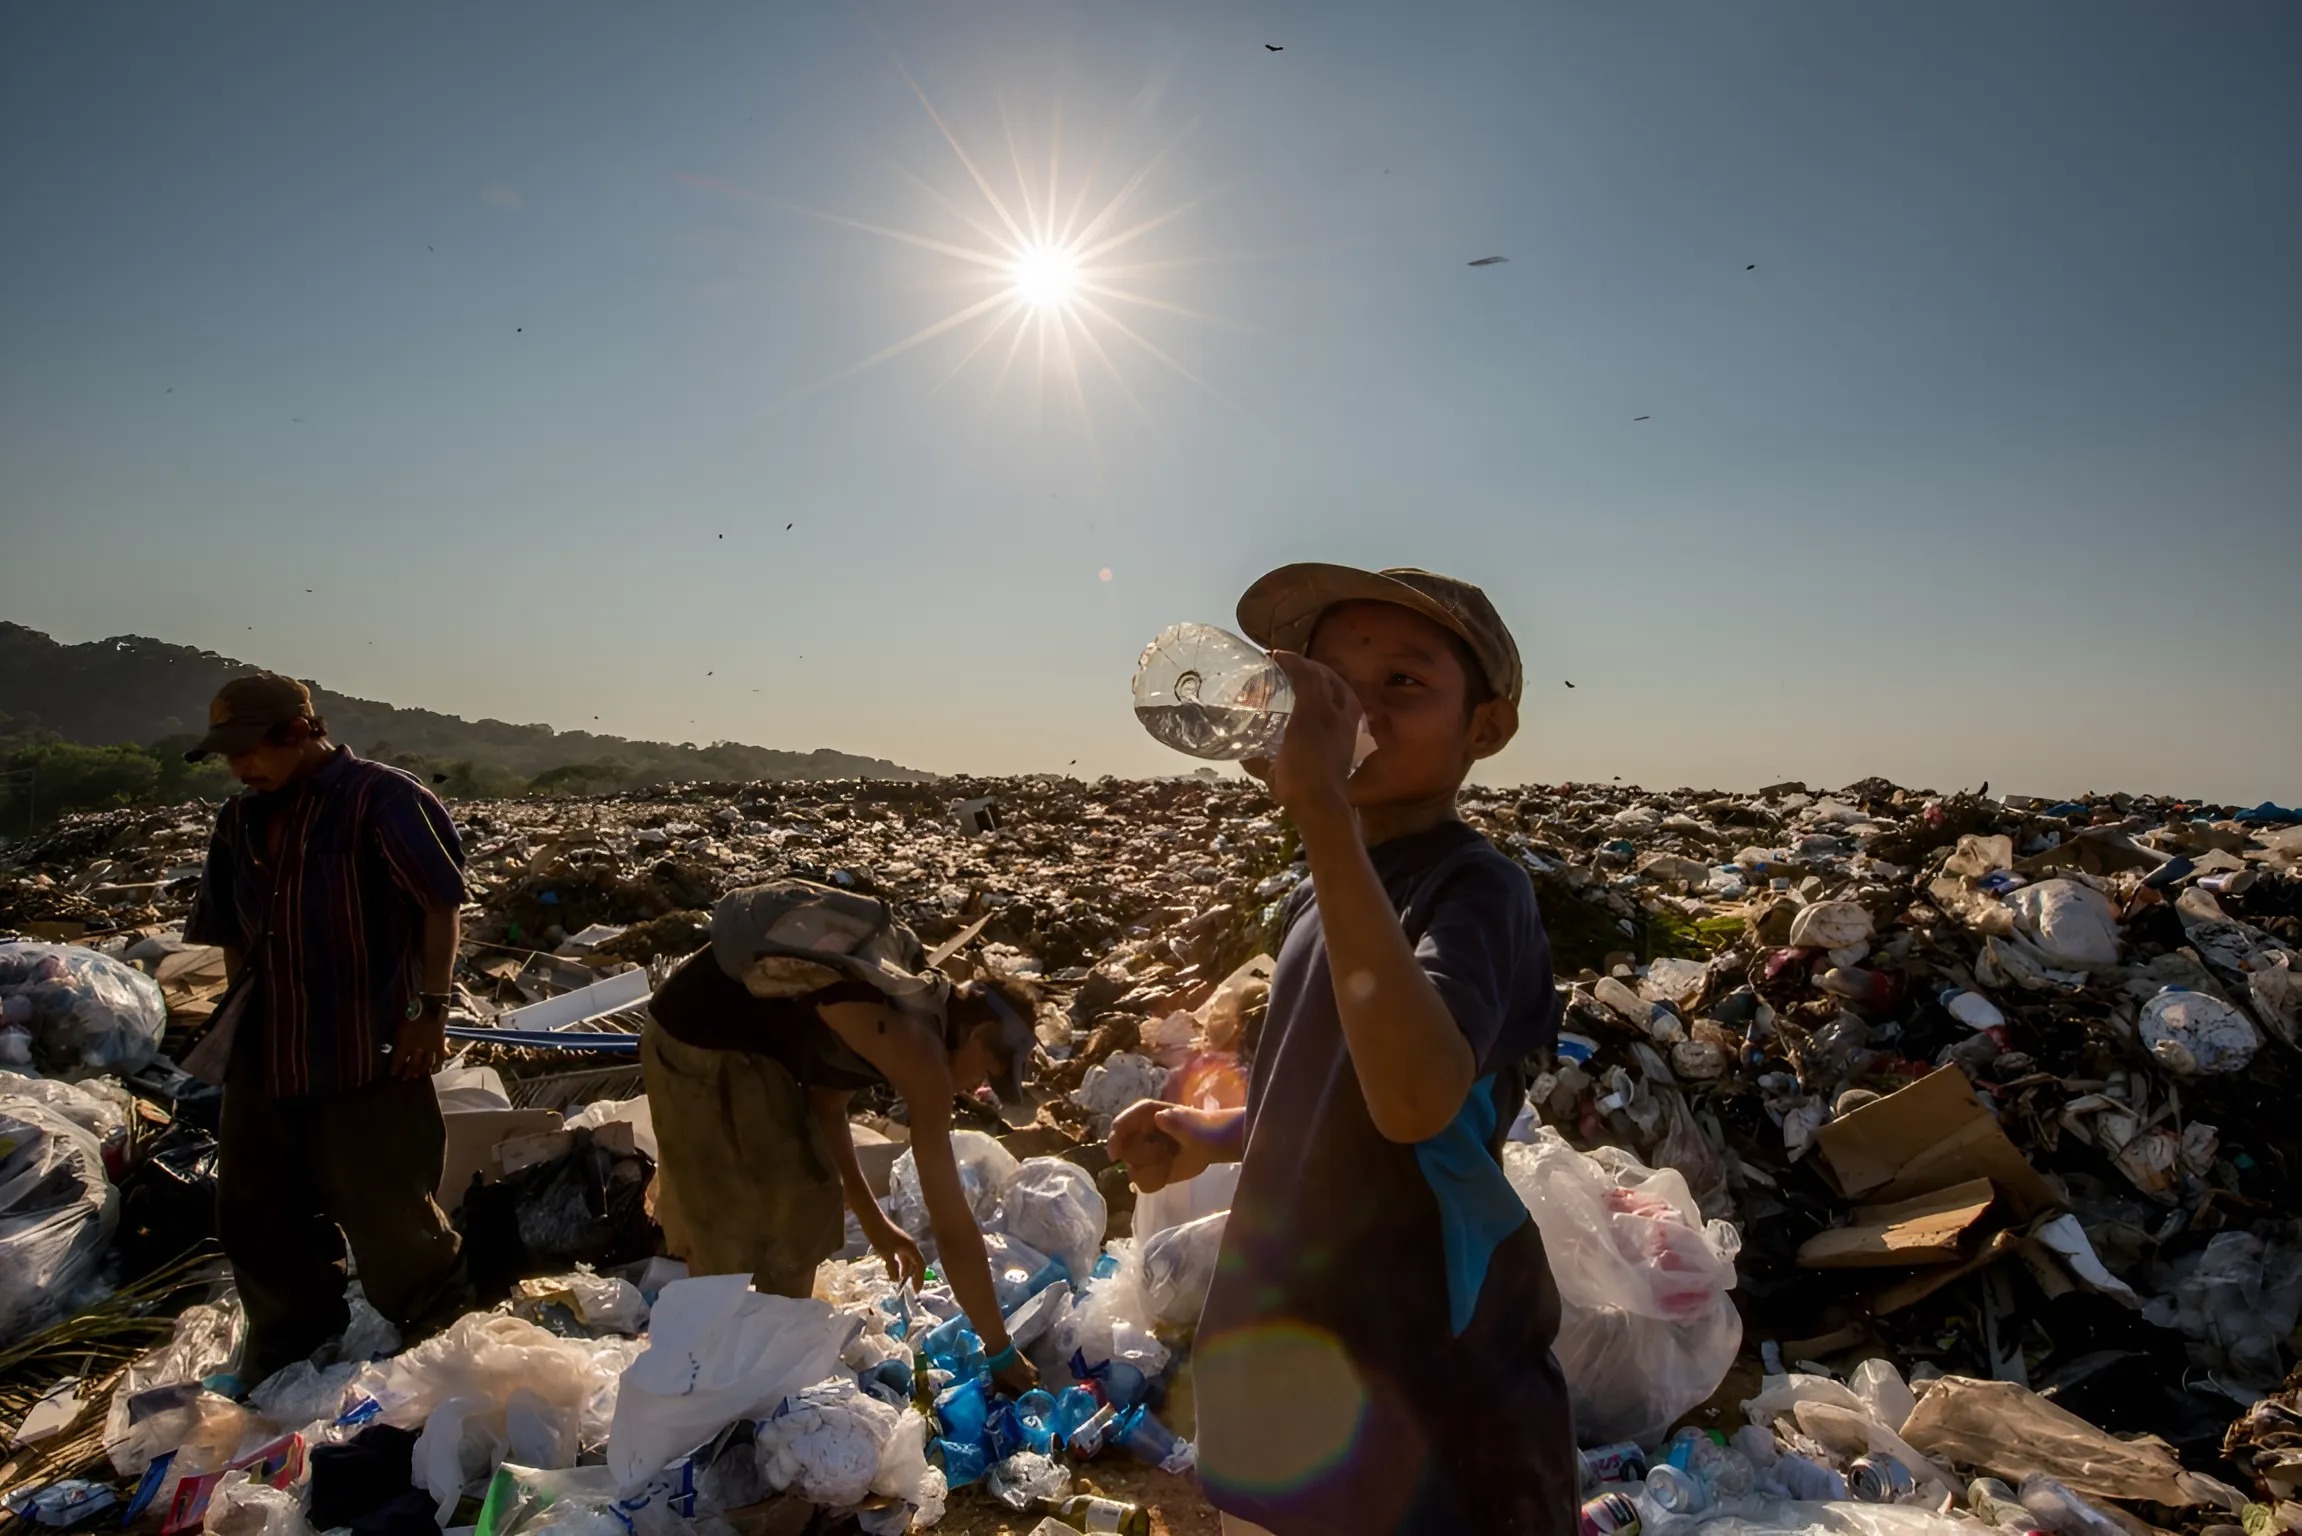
(296, 1178)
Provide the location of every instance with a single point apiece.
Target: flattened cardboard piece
(1931, 1229)
(473, 1135)
(1925, 1138)
(1925, 1282)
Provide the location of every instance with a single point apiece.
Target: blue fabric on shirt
(1477, 1206)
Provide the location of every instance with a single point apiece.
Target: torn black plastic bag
(589, 1206)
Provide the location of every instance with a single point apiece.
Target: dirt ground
(1176, 1507)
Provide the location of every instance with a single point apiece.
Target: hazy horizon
(476, 361)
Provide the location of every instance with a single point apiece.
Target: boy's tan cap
(1281, 610)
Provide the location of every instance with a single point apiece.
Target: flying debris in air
(787, 527)
(1570, 685)
(1275, 47)
(1753, 267)
(1642, 418)
(1487, 261)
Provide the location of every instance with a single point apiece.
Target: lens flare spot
(1242, 1443)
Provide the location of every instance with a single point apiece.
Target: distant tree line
(84, 727)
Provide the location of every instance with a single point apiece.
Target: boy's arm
(1414, 1064)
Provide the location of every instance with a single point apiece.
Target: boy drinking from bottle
(1375, 1353)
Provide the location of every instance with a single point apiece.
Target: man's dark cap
(246, 708)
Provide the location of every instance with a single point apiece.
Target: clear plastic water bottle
(1206, 692)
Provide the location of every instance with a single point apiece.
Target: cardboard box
(474, 1135)
(1923, 1139)
(1930, 1229)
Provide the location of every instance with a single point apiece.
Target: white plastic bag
(100, 1106)
(1026, 1478)
(904, 1473)
(1884, 1393)
(493, 1387)
(826, 1442)
(488, 1356)
(1647, 1329)
(57, 1214)
(717, 1351)
(1176, 1204)
(1116, 1082)
(88, 1010)
(2246, 959)
(241, 1506)
(2072, 924)
(1783, 1517)
(2235, 1300)
(206, 1339)
(1830, 925)
(1055, 1207)
(1178, 1267)
(462, 1444)
(984, 1169)
(1110, 1322)
(303, 1393)
(2012, 1432)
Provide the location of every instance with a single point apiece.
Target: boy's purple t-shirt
(1375, 1352)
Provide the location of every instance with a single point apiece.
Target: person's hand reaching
(1017, 1377)
(906, 1265)
(1164, 1144)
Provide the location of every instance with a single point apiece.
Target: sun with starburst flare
(1051, 268)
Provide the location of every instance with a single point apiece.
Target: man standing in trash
(756, 1044)
(332, 886)
(1375, 1352)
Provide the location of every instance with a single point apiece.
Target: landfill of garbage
(1907, 1163)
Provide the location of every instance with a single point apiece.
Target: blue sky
(501, 329)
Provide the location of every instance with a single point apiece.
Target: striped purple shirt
(332, 933)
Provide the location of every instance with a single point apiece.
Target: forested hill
(140, 692)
